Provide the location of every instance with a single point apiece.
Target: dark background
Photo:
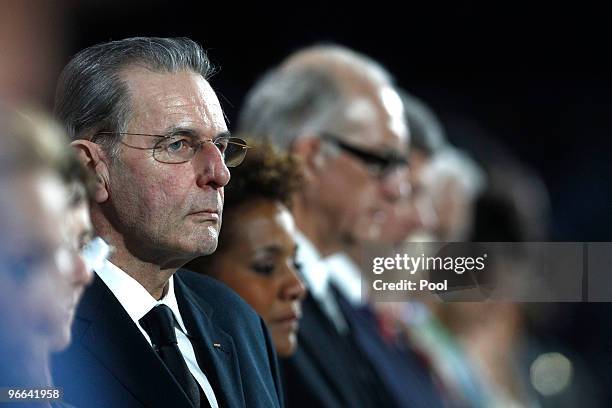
(533, 76)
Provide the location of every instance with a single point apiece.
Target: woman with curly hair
(256, 251)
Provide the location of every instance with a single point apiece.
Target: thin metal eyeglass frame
(230, 140)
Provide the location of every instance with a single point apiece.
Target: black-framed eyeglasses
(378, 164)
(181, 148)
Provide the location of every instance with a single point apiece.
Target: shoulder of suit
(218, 295)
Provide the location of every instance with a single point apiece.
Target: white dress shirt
(137, 302)
(316, 277)
(346, 275)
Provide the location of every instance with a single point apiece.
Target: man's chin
(368, 233)
(174, 253)
(193, 253)
(207, 250)
(202, 241)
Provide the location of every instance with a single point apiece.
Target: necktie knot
(159, 324)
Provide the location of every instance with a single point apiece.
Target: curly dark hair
(266, 174)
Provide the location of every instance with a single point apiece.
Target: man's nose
(210, 167)
(395, 184)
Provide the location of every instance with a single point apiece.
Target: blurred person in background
(443, 183)
(520, 364)
(492, 334)
(45, 263)
(415, 216)
(339, 113)
(437, 184)
(486, 354)
(256, 255)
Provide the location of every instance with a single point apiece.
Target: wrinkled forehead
(162, 100)
(374, 117)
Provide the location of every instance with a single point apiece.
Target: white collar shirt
(137, 302)
(346, 275)
(316, 276)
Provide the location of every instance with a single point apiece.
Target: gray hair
(286, 104)
(92, 96)
(426, 130)
(301, 96)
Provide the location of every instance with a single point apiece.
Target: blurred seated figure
(522, 364)
(338, 111)
(414, 217)
(256, 252)
(443, 183)
(45, 231)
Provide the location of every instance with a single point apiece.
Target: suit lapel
(319, 338)
(112, 337)
(214, 348)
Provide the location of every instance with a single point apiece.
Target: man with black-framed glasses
(143, 117)
(378, 164)
(338, 111)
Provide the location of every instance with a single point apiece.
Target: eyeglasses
(377, 164)
(181, 148)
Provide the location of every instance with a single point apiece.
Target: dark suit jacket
(328, 370)
(110, 363)
(404, 375)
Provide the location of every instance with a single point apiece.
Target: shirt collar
(134, 298)
(313, 269)
(346, 275)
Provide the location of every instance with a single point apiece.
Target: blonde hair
(32, 140)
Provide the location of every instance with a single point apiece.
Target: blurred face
(449, 188)
(358, 200)
(259, 264)
(169, 213)
(72, 282)
(413, 216)
(47, 277)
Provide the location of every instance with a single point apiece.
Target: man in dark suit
(338, 111)
(144, 119)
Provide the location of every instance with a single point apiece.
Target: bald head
(338, 61)
(325, 88)
(339, 112)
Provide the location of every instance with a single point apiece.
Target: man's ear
(308, 149)
(94, 158)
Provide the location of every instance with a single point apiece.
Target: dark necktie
(159, 324)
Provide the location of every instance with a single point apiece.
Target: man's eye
(376, 169)
(265, 269)
(177, 146)
(221, 144)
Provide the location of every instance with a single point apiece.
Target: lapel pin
(218, 345)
